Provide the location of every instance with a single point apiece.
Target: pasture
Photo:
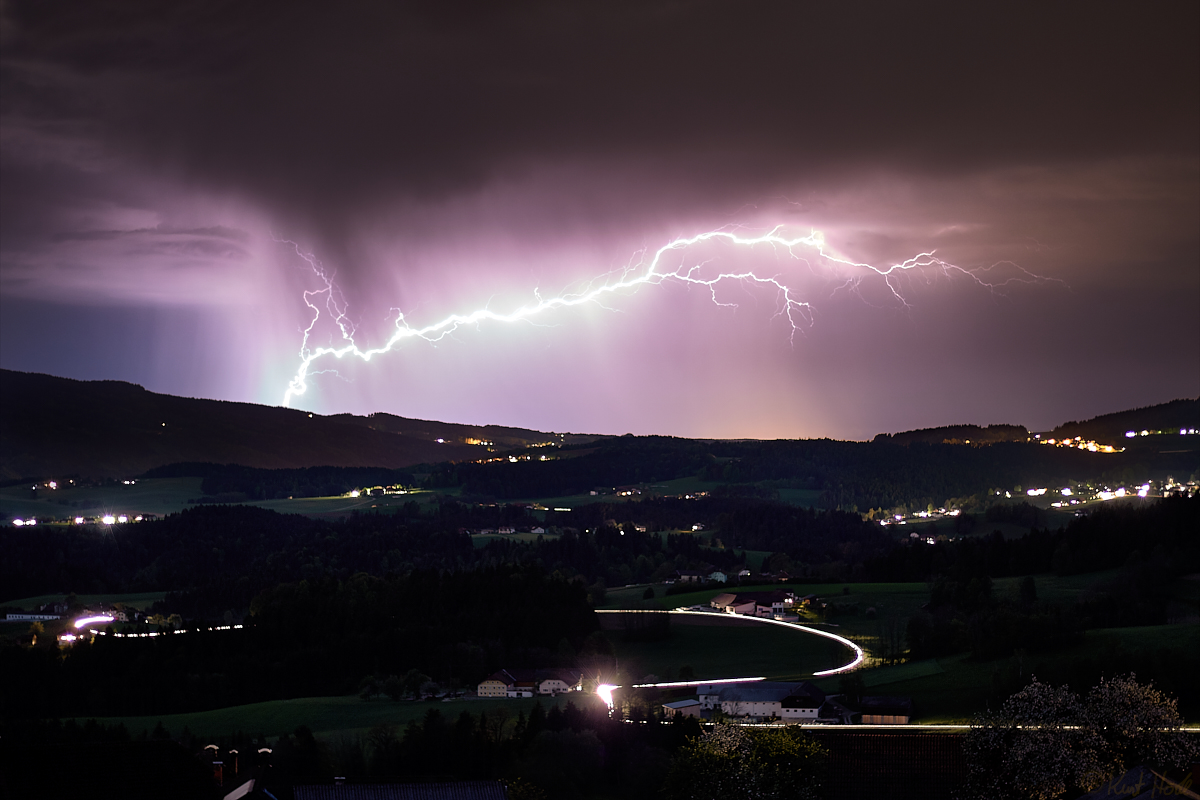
(734, 649)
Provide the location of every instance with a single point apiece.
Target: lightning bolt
(645, 272)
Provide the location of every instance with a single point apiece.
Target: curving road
(605, 690)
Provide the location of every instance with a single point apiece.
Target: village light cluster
(1079, 443)
(1182, 432)
(901, 519)
(107, 519)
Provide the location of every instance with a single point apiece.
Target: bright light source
(79, 520)
(354, 492)
(108, 519)
(84, 621)
(1130, 434)
(1066, 492)
(53, 484)
(18, 522)
(123, 519)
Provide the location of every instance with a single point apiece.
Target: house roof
(502, 676)
(764, 598)
(462, 790)
(678, 704)
(510, 677)
(757, 692)
(800, 701)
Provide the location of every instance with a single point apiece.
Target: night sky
(164, 166)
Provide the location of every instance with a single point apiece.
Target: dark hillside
(959, 434)
(1111, 428)
(56, 426)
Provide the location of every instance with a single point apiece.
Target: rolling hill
(105, 429)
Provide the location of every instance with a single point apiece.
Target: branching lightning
(644, 272)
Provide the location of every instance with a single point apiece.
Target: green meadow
(150, 496)
(726, 651)
(953, 689)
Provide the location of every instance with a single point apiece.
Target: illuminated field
(722, 651)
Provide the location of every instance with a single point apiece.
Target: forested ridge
(852, 475)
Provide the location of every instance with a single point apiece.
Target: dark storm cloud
(327, 109)
(440, 156)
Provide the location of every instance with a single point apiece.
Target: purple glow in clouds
(445, 167)
(811, 249)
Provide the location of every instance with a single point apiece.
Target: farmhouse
(771, 605)
(682, 708)
(803, 705)
(795, 702)
(528, 682)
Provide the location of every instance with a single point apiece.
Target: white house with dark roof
(764, 700)
(803, 705)
(528, 682)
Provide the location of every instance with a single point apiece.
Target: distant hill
(959, 434)
(58, 426)
(1106, 429)
(1111, 428)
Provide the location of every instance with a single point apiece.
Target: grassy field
(164, 496)
(154, 496)
(328, 716)
(952, 689)
(749, 650)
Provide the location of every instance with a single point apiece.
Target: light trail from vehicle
(605, 690)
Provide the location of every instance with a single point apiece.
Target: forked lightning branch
(810, 249)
